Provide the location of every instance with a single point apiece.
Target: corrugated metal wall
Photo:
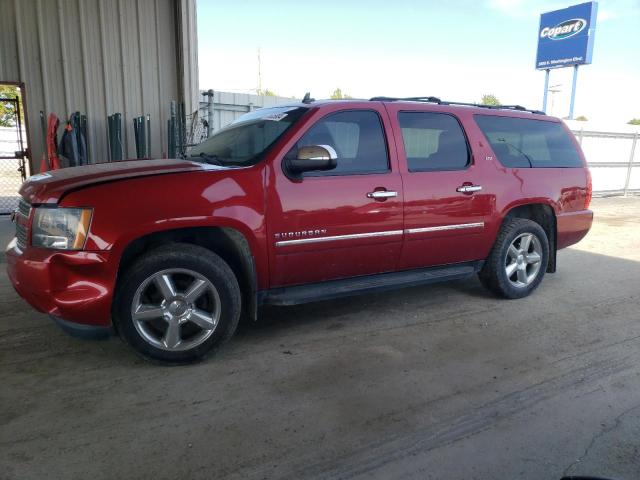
(188, 53)
(100, 57)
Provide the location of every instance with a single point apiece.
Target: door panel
(442, 225)
(329, 229)
(329, 225)
(446, 206)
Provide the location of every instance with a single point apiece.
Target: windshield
(243, 142)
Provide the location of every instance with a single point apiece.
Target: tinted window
(520, 142)
(433, 141)
(357, 138)
(244, 141)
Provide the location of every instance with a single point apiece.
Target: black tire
(178, 256)
(493, 274)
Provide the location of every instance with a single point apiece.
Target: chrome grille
(22, 220)
(24, 208)
(21, 235)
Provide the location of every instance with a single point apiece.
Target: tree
(582, 118)
(8, 109)
(266, 93)
(338, 95)
(490, 99)
(634, 121)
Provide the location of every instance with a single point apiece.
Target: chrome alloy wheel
(523, 260)
(176, 309)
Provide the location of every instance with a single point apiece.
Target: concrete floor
(436, 382)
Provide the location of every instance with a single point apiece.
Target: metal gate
(12, 155)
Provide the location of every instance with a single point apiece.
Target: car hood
(50, 187)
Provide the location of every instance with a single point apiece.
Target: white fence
(614, 160)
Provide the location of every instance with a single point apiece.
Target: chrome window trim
(440, 228)
(387, 233)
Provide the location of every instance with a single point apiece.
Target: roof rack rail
(437, 101)
(406, 99)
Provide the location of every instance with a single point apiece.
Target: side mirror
(312, 158)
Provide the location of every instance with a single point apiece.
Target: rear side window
(433, 141)
(524, 143)
(356, 136)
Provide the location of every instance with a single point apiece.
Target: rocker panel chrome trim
(440, 228)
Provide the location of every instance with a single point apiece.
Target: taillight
(587, 198)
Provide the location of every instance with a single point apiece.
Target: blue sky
(452, 49)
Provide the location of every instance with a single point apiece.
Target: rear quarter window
(528, 143)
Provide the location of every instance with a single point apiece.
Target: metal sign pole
(546, 90)
(573, 91)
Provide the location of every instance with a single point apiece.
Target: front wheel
(177, 303)
(518, 261)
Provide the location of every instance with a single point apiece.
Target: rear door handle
(381, 194)
(469, 188)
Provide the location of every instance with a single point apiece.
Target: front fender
(127, 210)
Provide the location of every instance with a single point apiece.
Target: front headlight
(60, 228)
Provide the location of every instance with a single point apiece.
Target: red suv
(299, 203)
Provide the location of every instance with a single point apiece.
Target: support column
(546, 90)
(573, 91)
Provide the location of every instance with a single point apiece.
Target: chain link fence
(12, 152)
(11, 166)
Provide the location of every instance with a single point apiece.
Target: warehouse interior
(99, 58)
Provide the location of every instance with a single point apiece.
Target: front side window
(527, 143)
(244, 141)
(433, 141)
(356, 136)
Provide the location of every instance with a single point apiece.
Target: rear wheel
(518, 261)
(177, 303)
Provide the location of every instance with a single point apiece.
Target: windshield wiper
(210, 159)
(517, 150)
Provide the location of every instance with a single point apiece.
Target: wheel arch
(230, 244)
(544, 215)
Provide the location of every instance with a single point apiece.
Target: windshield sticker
(38, 177)
(276, 117)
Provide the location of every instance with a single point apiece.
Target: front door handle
(382, 194)
(469, 188)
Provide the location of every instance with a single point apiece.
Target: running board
(371, 283)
